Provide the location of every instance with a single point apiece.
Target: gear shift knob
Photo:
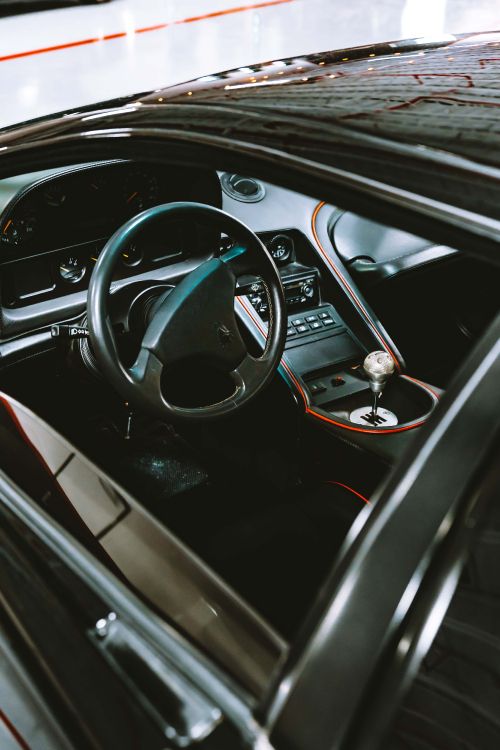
(378, 366)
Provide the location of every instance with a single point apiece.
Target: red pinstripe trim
(350, 290)
(323, 417)
(22, 432)
(346, 487)
(12, 729)
(145, 29)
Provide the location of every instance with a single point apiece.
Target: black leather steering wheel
(196, 319)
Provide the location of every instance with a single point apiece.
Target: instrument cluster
(53, 230)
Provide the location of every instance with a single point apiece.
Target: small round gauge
(55, 195)
(132, 256)
(19, 229)
(140, 190)
(72, 269)
(281, 248)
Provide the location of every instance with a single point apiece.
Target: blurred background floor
(57, 59)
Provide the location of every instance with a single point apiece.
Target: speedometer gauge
(140, 190)
(54, 195)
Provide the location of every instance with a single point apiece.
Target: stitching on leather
(270, 327)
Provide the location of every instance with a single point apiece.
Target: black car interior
(262, 473)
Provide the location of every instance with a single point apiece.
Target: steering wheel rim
(171, 334)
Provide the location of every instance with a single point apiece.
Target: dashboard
(53, 228)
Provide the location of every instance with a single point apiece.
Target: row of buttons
(310, 323)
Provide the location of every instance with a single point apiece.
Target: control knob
(307, 290)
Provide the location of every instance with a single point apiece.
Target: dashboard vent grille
(245, 189)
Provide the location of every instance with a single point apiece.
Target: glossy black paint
(14, 7)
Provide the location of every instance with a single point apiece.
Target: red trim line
(12, 729)
(423, 385)
(350, 290)
(346, 487)
(22, 432)
(323, 417)
(145, 29)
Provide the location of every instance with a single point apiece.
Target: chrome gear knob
(378, 366)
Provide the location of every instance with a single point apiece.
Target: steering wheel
(196, 319)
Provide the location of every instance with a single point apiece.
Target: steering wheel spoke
(146, 374)
(240, 260)
(248, 374)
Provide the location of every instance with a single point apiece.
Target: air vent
(245, 189)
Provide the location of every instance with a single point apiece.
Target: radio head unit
(301, 291)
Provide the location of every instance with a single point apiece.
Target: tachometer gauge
(19, 229)
(72, 269)
(132, 256)
(54, 195)
(140, 190)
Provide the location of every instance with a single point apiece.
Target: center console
(326, 347)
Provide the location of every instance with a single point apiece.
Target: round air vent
(245, 189)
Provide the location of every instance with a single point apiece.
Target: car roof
(442, 93)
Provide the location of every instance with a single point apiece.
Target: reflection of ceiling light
(28, 94)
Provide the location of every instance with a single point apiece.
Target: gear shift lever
(378, 367)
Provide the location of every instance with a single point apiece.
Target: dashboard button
(316, 388)
(302, 329)
(328, 322)
(311, 318)
(297, 322)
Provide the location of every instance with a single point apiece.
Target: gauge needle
(131, 197)
(7, 226)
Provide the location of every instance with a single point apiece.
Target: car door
(430, 540)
